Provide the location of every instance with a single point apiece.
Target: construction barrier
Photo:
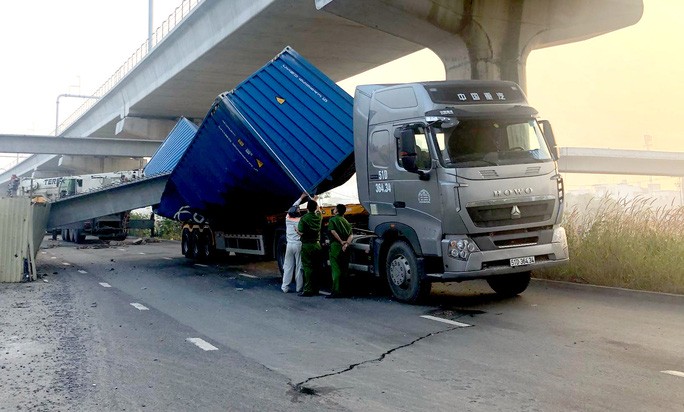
(23, 222)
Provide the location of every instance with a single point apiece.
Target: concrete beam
(78, 165)
(142, 128)
(620, 162)
(78, 146)
(121, 198)
(488, 39)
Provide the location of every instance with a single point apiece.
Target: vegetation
(624, 243)
(167, 228)
(163, 228)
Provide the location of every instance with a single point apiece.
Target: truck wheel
(510, 285)
(403, 276)
(206, 249)
(196, 244)
(281, 247)
(186, 240)
(54, 235)
(79, 236)
(64, 234)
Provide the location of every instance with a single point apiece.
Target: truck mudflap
(483, 264)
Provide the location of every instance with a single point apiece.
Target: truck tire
(185, 243)
(205, 246)
(64, 234)
(54, 235)
(79, 236)
(196, 244)
(510, 285)
(404, 277)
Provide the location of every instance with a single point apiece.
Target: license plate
(522, 261)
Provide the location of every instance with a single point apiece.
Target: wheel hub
(400, 271)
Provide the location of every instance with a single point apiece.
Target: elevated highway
(217, 43)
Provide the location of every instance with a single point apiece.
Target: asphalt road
(138, 327)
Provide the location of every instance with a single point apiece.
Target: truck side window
(422, 150)
(379, 148)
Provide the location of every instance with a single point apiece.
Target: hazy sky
(608, 91)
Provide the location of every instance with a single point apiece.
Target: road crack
(302, 388)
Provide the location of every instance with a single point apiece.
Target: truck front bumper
(482, 264)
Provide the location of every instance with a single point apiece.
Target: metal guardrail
(174, 19)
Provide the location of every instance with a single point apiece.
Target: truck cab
(460, 182)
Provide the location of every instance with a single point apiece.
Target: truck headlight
(462, 248)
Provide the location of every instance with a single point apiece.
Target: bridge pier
(488, 40)
(144, 128)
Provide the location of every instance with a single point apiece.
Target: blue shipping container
(284, 130)
(169, 153)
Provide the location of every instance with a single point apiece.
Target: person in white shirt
(292, 266)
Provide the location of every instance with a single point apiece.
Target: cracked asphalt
(138, 327)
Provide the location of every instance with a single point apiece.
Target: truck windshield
(486, 142)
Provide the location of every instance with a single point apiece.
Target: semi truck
(110, 227)
(457, 180)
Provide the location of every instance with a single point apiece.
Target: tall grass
(627, 243)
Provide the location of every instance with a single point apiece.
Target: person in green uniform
(340, 239)
(309, 229)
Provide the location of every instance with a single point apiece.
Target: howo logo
(511, 192)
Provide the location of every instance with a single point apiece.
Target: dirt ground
(42, 345)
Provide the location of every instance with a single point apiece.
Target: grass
(624, 243)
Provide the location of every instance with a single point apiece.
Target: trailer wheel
(510, 285)
(54, 235)
(64, 234)
(403, 275)
(206, 249)
(196, 244)
(186, 240)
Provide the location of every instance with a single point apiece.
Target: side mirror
(406, 142)
(547, 130)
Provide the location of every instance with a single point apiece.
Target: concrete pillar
(488, 39)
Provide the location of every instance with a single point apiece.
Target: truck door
(416, 192)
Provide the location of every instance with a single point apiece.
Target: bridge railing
(174, 19)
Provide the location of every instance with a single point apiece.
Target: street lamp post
(80, 96)
(150, 7)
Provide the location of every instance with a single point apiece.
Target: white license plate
(522, 261)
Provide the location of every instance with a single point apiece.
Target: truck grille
(500, 215)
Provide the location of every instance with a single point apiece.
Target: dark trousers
(339, 265)
(311, 263)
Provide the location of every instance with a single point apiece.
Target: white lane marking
(139, 306)
(450, 322)
(106, 285)
(45, 253)
(324, 293)
(82, 271)
(53, 257)
(122, 249)
(141, 253)
(66, 264)
(674, 373)
(201, 265)
(168, 258)
(247, 275)
(202, 344)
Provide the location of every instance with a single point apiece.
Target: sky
(609, 91)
